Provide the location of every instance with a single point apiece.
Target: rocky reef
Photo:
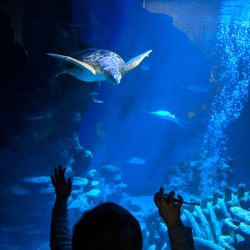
(222, 221)
(98, 185)
(201, 174)
(40, 114)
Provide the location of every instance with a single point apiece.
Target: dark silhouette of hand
(169, 210)
(62, 186)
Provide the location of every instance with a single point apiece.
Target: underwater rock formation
(40, 114)
(104, 184)
(221, 222)
(225, 215)
(201, 174)
(98, 185)
(40, 111)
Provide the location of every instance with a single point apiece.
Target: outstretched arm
(180, 236)
(60, 236)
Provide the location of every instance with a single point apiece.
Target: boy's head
(107, 226)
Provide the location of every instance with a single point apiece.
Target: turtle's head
(114, 76)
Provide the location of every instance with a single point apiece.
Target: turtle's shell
(100, 59)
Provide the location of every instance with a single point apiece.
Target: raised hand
(169, 210)
(62, 186)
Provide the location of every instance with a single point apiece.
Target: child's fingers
(53, 180)
(179, 204)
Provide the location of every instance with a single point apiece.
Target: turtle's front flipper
(135, 61)
(76, 62)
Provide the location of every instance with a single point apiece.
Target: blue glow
(179, 120)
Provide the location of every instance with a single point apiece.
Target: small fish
(94, 99)
(136, 160)
(163, 114)
(199, 89)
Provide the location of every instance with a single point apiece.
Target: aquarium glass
(128, 96)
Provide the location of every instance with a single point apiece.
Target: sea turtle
(92, 65)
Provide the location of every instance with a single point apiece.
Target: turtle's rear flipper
(135, 61)
(76, 62)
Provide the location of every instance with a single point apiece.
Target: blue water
(196, 81)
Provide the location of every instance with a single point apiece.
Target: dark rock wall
(40, 114)
(37, 107)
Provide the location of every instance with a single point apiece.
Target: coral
(202, 243)
(241, 213)
(221, 222)
(103, 184)
(217, 224)
(227, 224)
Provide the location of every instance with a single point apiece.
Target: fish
(136, 160)
(94, 99)
(166, 115)
(199, 89)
